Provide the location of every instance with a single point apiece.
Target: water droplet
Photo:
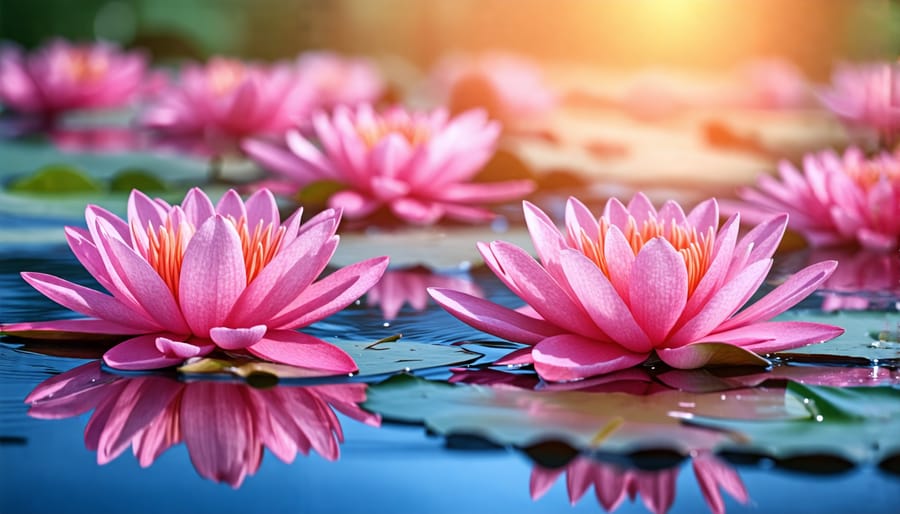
(687, 405)
(93, 380)
(723, 397)
(806, 401)
(385, 324)
(407, 369)
(819, 418)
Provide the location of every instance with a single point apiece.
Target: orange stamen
(871, 172)
(85, 67)
(414, 133)
(695, 248)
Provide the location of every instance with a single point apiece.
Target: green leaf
(583, 419)
(861, 424)
(56, 179)
(317, 193)
(136, 178)
(869, 338)
(373, 358)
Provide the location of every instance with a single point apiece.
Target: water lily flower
(835, 200)
(339, 80)
(610, 293)
(417, 166)
(866, 95)
(186, 280)
(225, 426)
(398, 287)
(213, 107)
(655, 487)
(61, 77)
(510, 87)
(771, 83)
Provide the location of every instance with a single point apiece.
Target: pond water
(95, 441)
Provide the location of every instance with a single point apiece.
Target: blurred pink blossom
(835, 199)
(214, 107)
(61, 77)
(398, 287)
(866, 95)
(225, 426)
(610, 293)
(339, 80)
(417, 166)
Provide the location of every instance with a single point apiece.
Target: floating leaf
(869, 338)
(136, 178)
(56, 179)
(373, 358)
(858, 423)
(585, 420)
(317, 193)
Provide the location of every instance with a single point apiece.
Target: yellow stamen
(225, 75)
(414, 133)
(83, 66)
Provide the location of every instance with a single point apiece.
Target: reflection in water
(224, 425)
(397, 287)
(655, 487)
(863, 280)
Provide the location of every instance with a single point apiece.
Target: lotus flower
(836, 200)
(216, 106)
(338, 80)
(61, 77)
(415, 165)
(224, 426)
(656, 488)
(771, 83)
(511, 88)
(186, 280)
(608, 294)
(866, 95)
(398, 287)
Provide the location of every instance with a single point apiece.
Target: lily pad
(56, 179)
(592, 421)
(858, 423)
(379, 358)
(870, 338)
(136, 178)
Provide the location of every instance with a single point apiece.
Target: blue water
(45, 467)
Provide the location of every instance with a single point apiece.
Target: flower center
(695, 248)
(414, 133)
(83, 66)
(167, 243)
(874, 171)
(225, 75)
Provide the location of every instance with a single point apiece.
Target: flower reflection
(655, 487)
(225, 426)
(410, 285)
(863, 280)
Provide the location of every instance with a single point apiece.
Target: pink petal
(231, 205)
(704, 216)
(542, 480)
(213, 275)
(88, 302)
(722, 304)
(545, 237)
(538, 289)
(602, 303)
(416, 211)
(571, 357)
(715, 273)
(712, 473)
(390, 156)
(518, 357)
(354, 204)
(671, 212)
(144, 214)
(139, 353)
(658, 288)
(466, 213)
(492, 318)
(616, 213)
(197, 207)
(76, 329)
(487, 192)
(309, 155)
(777, 336)
(641, 208)
(790, 293)
(620, 259)
(699, 355)
(276, 158)
(262, 209)
(331, 294)
(579, 218)
(236, 338)
(301, 350)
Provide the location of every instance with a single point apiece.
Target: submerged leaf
(56, 179)
(136, 178)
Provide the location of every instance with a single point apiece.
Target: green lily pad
(379, 358)
(136, 178)
(317, 193)
(870, 338)
(56, 179)
(585, 420)
(861, 424)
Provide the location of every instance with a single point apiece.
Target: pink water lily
(835, 199)
(61, 77)
(225, 426)
(610, 293)
(186, 280)
(867, 95)
(655, 488)
(416, 166)
(215, 106)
